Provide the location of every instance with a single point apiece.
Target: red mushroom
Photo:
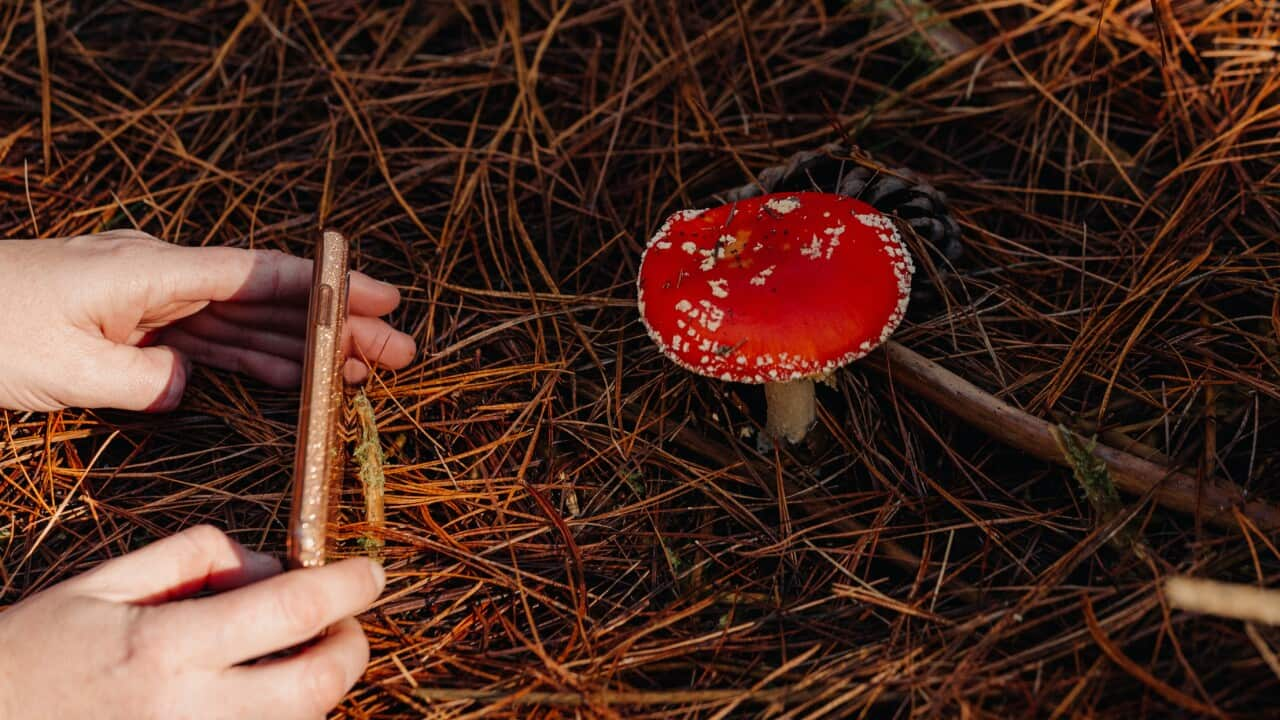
(779, 289)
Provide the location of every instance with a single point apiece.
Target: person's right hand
(126, 639)
(115, 319)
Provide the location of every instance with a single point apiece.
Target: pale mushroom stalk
(792, 409)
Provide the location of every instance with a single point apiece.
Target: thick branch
(1214, 501)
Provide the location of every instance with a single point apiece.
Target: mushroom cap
(774, 288)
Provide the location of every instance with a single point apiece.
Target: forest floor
(576, 527)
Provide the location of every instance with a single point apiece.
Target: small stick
(1228, 600)
(1210, 500)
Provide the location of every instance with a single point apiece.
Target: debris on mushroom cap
(774, 288)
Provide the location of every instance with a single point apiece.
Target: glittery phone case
(318, 458)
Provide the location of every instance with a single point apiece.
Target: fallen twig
(1211, 500)
(1228, 600)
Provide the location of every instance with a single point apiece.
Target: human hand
(120, 641)
(114, 319)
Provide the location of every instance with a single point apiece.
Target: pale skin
(116, 320)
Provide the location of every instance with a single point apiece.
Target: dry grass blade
(1163, 689)
(606, 698)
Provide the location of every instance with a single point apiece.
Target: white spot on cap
(782, 206)
(834, 242)
(875, 220)
(813, 250)
(713, 316)
(718, 287)
(763, 275)
(689, 247)
(709, 257)
(659, 239)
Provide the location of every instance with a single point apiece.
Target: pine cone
(899, 191)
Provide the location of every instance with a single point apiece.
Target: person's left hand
(130, 639)
(114, 319)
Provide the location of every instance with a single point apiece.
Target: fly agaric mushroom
(779, 290)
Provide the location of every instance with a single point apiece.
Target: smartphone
(319, 452)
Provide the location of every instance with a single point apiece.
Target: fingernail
(379, 574)
(170, 398)
(261, 563)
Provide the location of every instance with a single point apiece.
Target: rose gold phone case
(318, 457)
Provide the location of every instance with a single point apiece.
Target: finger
(376, 342)
(370, 338)
(355, 371)
(198, 558)
(223, 274)
(370, 297)
(290, 319)
(308, 684)
(270, 369)
(128, 378)
(259, 619)
(211, 327)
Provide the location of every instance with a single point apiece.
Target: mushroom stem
(792, 409)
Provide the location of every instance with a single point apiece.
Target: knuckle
(111, 239)
(205, 535)
(300, 608)
(126, 250)
(270, 260)
(326, 678)
(366, 588)
(273, 254)
(147, 642)
(130, 243)
(195, 544)
(273, 262)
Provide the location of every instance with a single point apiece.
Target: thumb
(198, 558)
(131, 378)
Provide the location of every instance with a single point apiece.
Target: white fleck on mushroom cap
(774, 288)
